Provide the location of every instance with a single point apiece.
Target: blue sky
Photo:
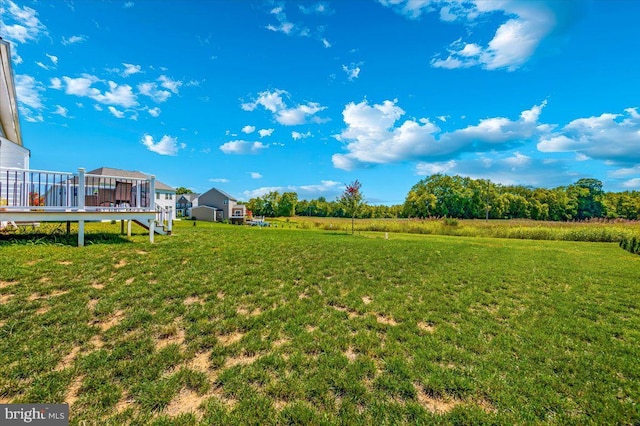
(254, 96)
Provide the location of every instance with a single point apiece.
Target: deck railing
(40, 190)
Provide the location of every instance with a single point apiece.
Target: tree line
(461, 197)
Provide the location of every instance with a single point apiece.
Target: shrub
(450, 221)
(631, 245)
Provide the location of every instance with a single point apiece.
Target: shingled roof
(108, 171)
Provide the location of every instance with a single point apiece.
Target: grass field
(224, 324)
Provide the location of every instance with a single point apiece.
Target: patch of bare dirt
(244, 311)
(220, 295)
(350, 354)
(97, 342)
(92, 304)
(38, 296)
(311, 328)
(125, 402)
(279, 404)
(111, 321)
(121, 264)
(44, 280)
(67, 361)
(220, 396)
(366, 300)
(141, 252)
(176, 338)
(200, 362)
(425, 326)
(350, 312)
(72, 392)
(280, 342)
(5, 284)
(187, 401)
(435, 405)
(303, 296)
(192, 300)
(4, 298)
(230, 339)
(97, 286)
(32, 262)
(65, 262)
(382, 319)
(240, 360)
(130, 280)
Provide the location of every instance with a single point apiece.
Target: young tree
(351, 200)
(183, 190)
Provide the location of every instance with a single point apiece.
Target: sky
(258, 96)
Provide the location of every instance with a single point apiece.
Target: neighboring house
(12, 154)
(184, 203)
(165, 196)
(216, 205)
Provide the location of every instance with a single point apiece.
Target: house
(53, 196)
(12, 153)
(216, 205)
(165, 195)
(184, 203)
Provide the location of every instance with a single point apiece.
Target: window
(226, 201)
(157, 195)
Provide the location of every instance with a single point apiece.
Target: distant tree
(351, 200)
(36, 199)
(182, 190)
(287, 204)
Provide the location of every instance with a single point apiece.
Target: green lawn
(224, 324)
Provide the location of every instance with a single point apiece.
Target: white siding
(164, 202)
(13, 155)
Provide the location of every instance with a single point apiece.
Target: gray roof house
(216, 205)
(185, 202)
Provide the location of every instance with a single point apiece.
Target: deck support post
(152, 230)
(122, 227)
(81, 233)
(129, 228)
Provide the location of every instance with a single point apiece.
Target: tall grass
(593, 231)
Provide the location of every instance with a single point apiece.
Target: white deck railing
(41, 190)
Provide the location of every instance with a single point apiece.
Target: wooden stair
(158, 229)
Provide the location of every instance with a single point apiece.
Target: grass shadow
(39, 238)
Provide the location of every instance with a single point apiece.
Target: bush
(450, 221)
(631, 245)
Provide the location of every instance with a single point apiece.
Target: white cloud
(428, 169)
(297, 135)
(632, 183)
(514, 42)
(273, 102)
(151, 90)
(242, 147)
(60, 110)
(80, 86)
(353, 71)
(53, 58)
(26, 25)
(255, 175)
(325, 43)
(219, 180)
(115, 112)
(248, 129)
(285, 26)
(320, 8)
(265, 132)
(372, 136)
(610, 137)
(73, 39)
(56, 83)
(170, 84)
(327, 188)
(121, 95)
(168, 145)
(154, 112)
(128, 5)
(28, 91)
(130, 69)
(43, 66)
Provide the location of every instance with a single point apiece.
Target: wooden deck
(47, 196)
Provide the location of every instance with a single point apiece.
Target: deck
(49, 196)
